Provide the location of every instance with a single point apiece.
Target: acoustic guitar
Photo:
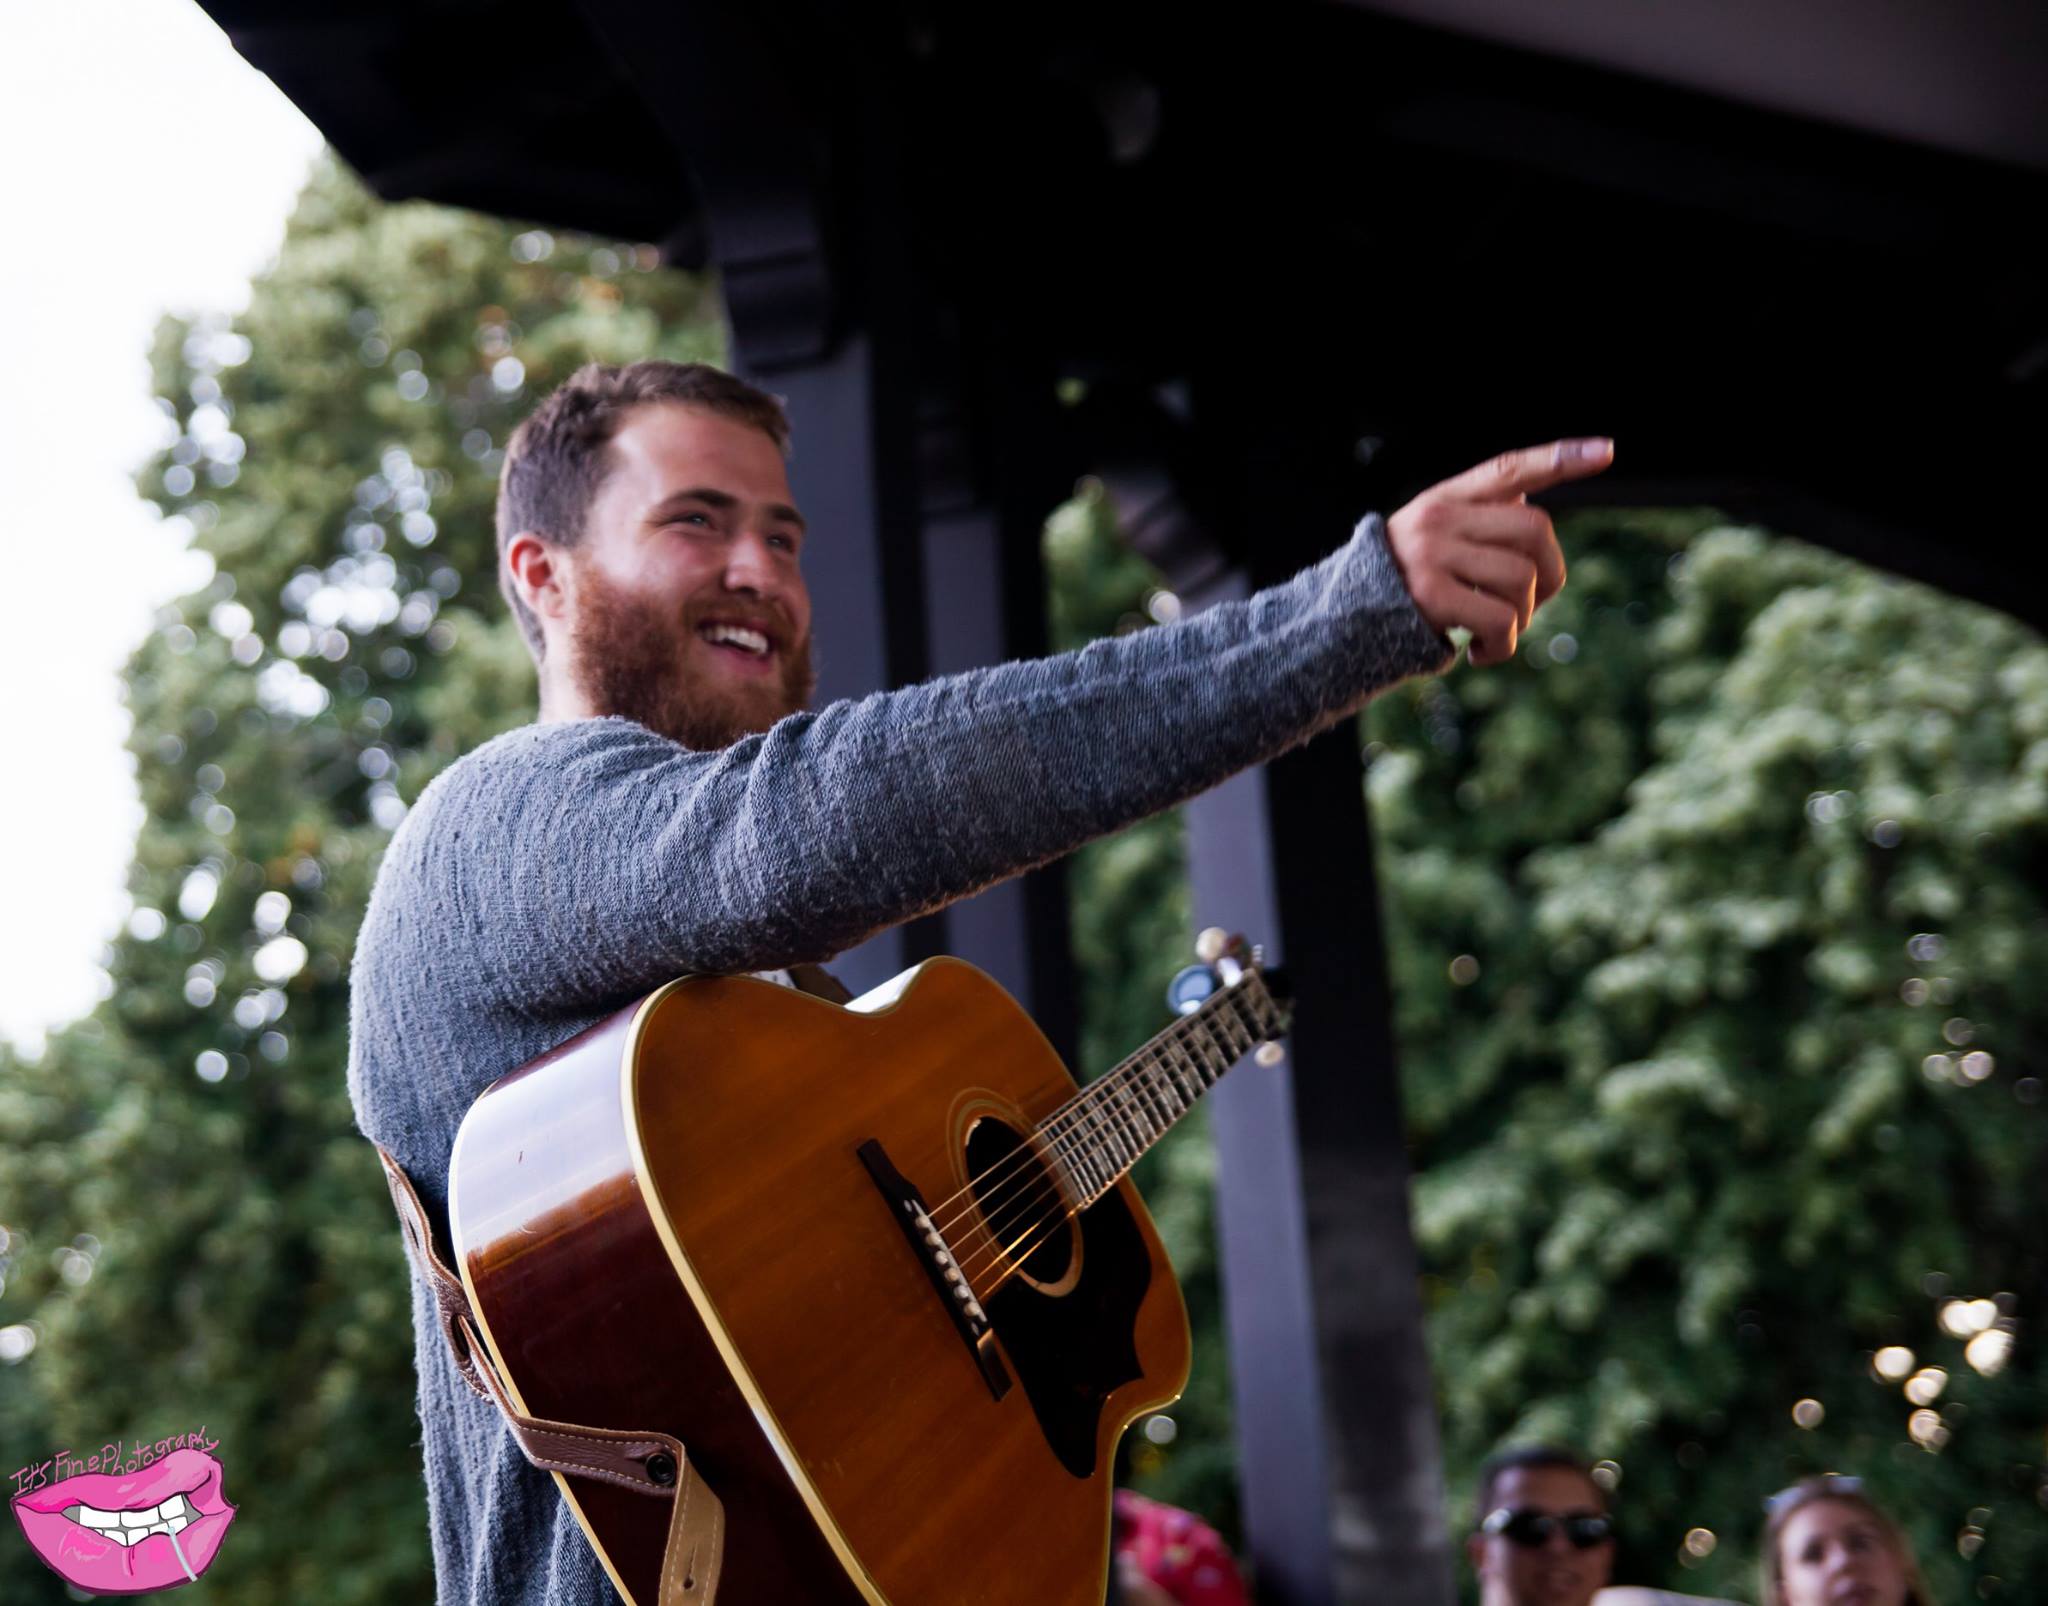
(877, 1265)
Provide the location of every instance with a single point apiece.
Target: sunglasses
(1531, 1529)
(1814, 1489)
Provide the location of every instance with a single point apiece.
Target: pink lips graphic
(83, 1556)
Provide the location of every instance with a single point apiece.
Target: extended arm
(588, 859)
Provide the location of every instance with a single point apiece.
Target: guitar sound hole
(1022, 1207)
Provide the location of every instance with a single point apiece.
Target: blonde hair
(1843, 1491)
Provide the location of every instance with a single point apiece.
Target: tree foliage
(196, 1233)
(1715, 919)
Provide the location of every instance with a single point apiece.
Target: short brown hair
(556, 461)
(1848, 1492)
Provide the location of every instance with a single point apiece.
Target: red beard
(632, 658)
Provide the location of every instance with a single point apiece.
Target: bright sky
(148, 168)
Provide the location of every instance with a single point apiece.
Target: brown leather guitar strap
(651, 1463)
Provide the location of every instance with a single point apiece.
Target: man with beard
(676, 809)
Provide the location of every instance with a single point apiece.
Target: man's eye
(787, 543)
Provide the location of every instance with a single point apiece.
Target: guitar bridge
(933, 1253)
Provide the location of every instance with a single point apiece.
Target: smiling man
(678, 808)
(652, 554)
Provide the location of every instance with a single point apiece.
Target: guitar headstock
(1225, 960)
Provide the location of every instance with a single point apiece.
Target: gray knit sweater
(562, 870)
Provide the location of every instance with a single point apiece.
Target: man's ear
(539, 574)
(1475, 1552)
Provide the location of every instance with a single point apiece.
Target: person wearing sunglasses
(1826, 1543)
(1542, 1533)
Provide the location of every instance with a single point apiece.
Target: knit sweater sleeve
(584, 860)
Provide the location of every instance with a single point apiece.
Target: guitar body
(668, 1224)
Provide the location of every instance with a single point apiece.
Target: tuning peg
(1210, 945)
(1269, 1054)
(1188, 990)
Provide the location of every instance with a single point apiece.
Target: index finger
(1533, 468)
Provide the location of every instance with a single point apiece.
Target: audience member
(1542, 1533)
(1169, 1557)
(1827, 1544)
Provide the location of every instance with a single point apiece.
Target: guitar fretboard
(1099, 1134)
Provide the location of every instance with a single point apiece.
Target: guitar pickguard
(1071, 1350)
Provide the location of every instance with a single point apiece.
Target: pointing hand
(1475, 553)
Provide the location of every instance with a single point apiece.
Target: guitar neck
(1099, 1134)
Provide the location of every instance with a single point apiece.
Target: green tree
(195, 1232)
(1714, 922)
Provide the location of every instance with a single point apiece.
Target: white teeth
(751, 640)
(132, 1527)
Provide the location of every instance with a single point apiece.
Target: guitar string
(1019, 1251)
(1148, 1075)
(985, 1242)
(1088, 1108)
(1097, 1106)
(1083, 1108)
(1004, 1209)
(1138, 1103)
(1035, 1233)
(1146, 1079)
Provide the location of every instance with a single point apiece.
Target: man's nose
(750, 563)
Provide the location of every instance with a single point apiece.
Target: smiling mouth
(737, 638)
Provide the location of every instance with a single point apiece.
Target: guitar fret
(1122, 1114)
(1157, 1093)
(1091, 1158)
(1142, 1111)
(1233, 1017)
(1108, 1142)
(1095, 1136)
(1240, 1019)
(1120, 1132)
(1080, 1165)
(1187, 1068)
